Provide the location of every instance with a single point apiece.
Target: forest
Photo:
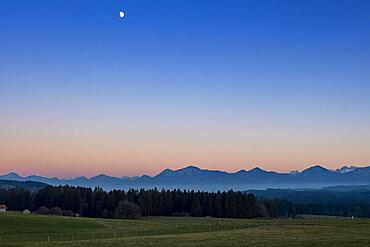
(135, 203)
(70, 200)
(345, 201)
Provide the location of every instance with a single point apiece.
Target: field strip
(111, 234)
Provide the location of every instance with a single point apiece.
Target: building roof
(2, 206)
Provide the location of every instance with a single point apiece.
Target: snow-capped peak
(346, 169)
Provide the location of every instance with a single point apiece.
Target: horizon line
(184, 167)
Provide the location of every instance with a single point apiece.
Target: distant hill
(349, 188)
(193, 177)
(29, 185)
(335, 194)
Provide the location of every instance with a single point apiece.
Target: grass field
(33, 230)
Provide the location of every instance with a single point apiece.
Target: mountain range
(192, 177)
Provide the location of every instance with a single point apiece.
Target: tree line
(69, 200)
(290, 203)
(338, 207)
(135, 203)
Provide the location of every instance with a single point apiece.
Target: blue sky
(220, 84)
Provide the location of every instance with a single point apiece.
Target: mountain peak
(81, 178)
(100, 176)
(316, 169)
(346, 169)
(166, 172)
(103, 176)
(190, 168)
(186, 171)
(257, 170)
(13, 176)
(294, 172)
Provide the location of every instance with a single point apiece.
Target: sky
(220, 84)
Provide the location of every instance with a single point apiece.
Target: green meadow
(17, 229)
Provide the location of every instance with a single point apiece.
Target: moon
(121, 14)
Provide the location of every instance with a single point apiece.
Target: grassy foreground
(34, 230)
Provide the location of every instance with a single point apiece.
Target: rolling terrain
(33, 230)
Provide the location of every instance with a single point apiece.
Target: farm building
(3, 208)
(26, 211)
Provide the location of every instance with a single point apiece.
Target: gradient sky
(229, 85)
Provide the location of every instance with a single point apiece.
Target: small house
(26, 211)
(3, 208)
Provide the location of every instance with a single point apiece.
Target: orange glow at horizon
(67, 157)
